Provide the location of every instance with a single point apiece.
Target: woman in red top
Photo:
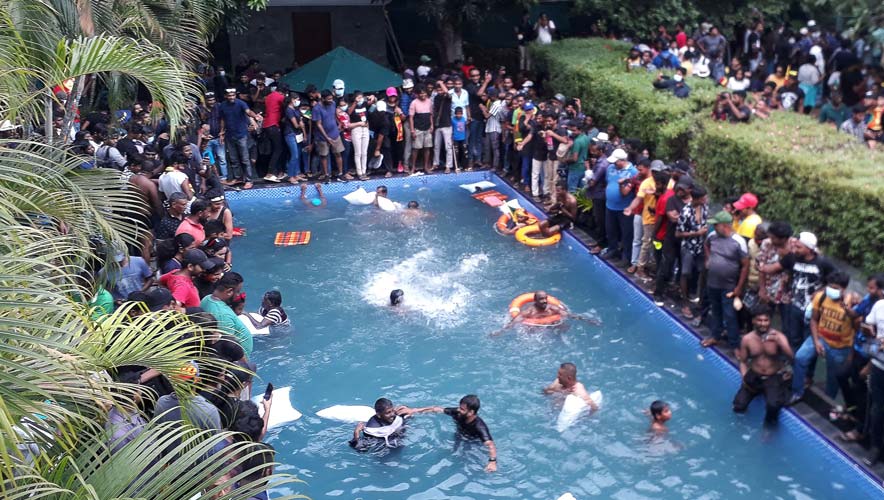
(346, 136)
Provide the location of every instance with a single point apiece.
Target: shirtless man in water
(541, 308)
(761, 355)
(566, 383)
(562, 214)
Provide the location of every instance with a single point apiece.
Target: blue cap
(528, 106)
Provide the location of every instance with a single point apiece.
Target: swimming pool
(459, 277)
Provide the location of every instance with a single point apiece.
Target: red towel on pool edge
(292, 238)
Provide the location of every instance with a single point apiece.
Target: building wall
(269, 34)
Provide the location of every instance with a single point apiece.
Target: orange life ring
(526, 234)
(526, 298)
(505, 218)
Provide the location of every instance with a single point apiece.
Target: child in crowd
(660, 414)
(273, 315)
(459, 137)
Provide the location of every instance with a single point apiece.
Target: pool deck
(813, 410)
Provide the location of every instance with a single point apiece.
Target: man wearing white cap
(338, 87)
(808, 274)
(618, 196)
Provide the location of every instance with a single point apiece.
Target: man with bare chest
(763, 354)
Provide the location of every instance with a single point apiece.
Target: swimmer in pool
(541, 308)
(319, 201)
(380, 192)
(660, 414)
(387, 425)
(521, 220)
(469, 424)
(566, 383)
(396, 297)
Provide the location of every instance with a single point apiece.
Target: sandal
(248, 185)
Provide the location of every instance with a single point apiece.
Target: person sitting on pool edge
(469, 424)
(272, 313)
(319, 201)
(660, 414)
(541, 308)
(387, 424)
(566, 383)
(761, 355)
(563, 213)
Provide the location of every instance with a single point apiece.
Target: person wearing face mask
(359, 134)
(832, 330)
(338, 87)
(676, 84)
(346, 132)
(874, 328)
(293, 133)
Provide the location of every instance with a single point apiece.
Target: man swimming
(396, 297)
(320, 201)
(380, 192)
(517, 221)
(563, 213)
(541, 308)
(469, 424)
(566, 383)
(386, 426)
(762, 355)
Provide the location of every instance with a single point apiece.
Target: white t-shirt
(170, 182)
(735, 85)
(544, 33)
(876, 319)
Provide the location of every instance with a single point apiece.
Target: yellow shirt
(648, 190)
(779, 80)
(834, 326)
(746, 227)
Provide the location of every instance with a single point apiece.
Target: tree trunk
(452, 41)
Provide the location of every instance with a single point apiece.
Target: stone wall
(269, 35)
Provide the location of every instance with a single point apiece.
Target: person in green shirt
(835, 111)
(577, 155)
(216, 304)
(101, 303)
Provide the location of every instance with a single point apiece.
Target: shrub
(802, 171)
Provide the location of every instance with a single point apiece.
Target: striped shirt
(495, 115)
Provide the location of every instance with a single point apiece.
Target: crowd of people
(763, 289)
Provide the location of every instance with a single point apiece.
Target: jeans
(491, 147)
(217, 150)
(794, 327)
(474, 140)
(575, 175)
(723, 315)
(275, 137)
(345, 156)
(854, 389)
(442, 138)
(526, 169)
(240, 164)
(619, 230)
(294, 163)
(637, 234)
(876, 408)
(835, 359)
(360, 149)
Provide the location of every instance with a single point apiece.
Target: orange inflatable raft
(527, 298)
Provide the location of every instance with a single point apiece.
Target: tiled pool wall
(843, 465)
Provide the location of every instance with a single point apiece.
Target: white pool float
(281, 411)
(251, 327)
(573, 408)
(566, 496)
(481, 185)
(360, 197)
(510, 206)
(388, 205)
(347, 413)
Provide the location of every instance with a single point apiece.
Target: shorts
(422, 139)
(691, 263)
(561, 220)
(336, 145)
(776, 391)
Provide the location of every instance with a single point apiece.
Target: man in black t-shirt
(469, 424)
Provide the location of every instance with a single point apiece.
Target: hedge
(802, 171)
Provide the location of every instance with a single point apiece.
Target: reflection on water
(348, 347)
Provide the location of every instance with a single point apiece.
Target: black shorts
(776, 391)
(561, 220)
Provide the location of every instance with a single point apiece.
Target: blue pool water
(459, 276)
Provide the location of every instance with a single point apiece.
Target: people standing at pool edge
(566, 383)
(469, 424)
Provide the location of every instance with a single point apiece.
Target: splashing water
(433, 287)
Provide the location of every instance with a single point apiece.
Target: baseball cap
(747, 200)
(681, 166)
(803, 31)
(209, 94)
(407, 83)
(158, 298)
(721, 218)
(528, 84)
(229, 91)
(560, 98)
(684, 182)
(808, 239)
(213, 263)
(617, 155)
(601, 137)
(391, 91)
(425, 58)
(338, 84)
(189, 372)
(658, 166)
(528, 106)
(195, 257)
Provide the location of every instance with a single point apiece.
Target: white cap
(808, 239)
(803, 31)
(811, 23)
(601, 137)
(617, 155)
(528, 84)
(338, 84)
(423, 71)
(381, 106)
(6, 126)
(407, 83)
